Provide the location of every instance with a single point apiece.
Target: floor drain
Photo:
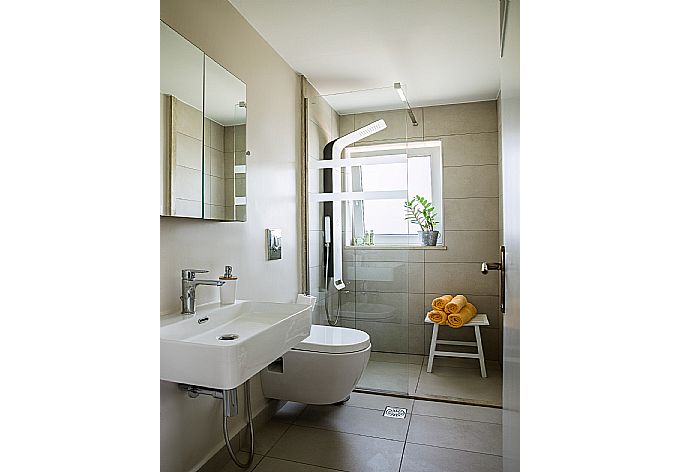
(228, 337)
(395, 412)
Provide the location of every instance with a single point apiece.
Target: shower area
(366, 154)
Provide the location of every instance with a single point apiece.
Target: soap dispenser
(229, 288)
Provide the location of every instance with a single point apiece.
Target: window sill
(397, 246)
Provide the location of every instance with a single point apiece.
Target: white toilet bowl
(322, 369)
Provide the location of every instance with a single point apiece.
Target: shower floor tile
(451, 379)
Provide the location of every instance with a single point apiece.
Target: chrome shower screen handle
(500, 266)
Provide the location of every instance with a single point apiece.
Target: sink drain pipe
(230, 408)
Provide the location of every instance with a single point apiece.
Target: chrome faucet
(189, 284)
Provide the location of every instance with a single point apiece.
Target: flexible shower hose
(328, 315)
(248, 400)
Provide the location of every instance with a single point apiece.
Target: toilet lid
(334, 340)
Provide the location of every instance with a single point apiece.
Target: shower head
(333, 149)
(361, 133)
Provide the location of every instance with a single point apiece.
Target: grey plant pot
(428, 238)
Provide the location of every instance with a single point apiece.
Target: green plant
(421, 212)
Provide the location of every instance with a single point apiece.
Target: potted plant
(421, 212)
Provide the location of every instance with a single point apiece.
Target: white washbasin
(192, 353)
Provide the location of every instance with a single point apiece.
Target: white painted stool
(477, 321)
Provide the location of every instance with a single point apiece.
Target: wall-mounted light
(401, 94)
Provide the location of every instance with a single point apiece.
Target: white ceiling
(444, 51)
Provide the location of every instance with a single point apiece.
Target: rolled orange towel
(440, 302)
(456, 320)
(437, 316)
(455, 304)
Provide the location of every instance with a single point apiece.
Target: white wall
(191, 429)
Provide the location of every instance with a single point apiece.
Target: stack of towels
(450, 310)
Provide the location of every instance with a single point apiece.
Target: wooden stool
(477, 321)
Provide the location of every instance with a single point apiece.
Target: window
(419, 173)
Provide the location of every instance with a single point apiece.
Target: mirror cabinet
(203, 107)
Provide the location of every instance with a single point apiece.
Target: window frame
(354, 218)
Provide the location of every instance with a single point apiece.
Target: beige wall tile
(190, 208)
(207, 132)
(470, 181)
(230, 193)
(470, 214)
(391, 337)
(217, 190)
(444, 120)
(240, 186)
(229, 139)
(217, 161)
(387, 277)
(207, 160)
(187, 151)
(416, 277)
(346, 124)
(459, 277)
(187, 184)
(381, 307)
(229, 163)
(319, 112)
(217, 212)
(416, 309)
(230, 213)
(188, 120)
(217, 137)
(241, 212)
(383, 255)
(317, 138)
(240, 138)
(470, 149)
(415, 255)
(240, 158)
(398, 125)
(467, 246)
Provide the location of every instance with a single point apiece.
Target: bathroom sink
(222, 346)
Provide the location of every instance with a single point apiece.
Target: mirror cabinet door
(225, 167)
(181, 100)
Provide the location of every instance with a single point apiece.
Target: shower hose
(337, 313)
(248, 401)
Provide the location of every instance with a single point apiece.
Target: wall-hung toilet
(322, 369)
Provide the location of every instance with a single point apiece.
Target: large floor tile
(377, 402)
(390, 377)
(266, 436)
(243, 456)
(458, 412)
(270, 464)
(470, 436)
(463, 384)
(418, 458)
(289, 412)
(362, 421)
(341, 451)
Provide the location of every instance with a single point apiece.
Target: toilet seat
(334, 340)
